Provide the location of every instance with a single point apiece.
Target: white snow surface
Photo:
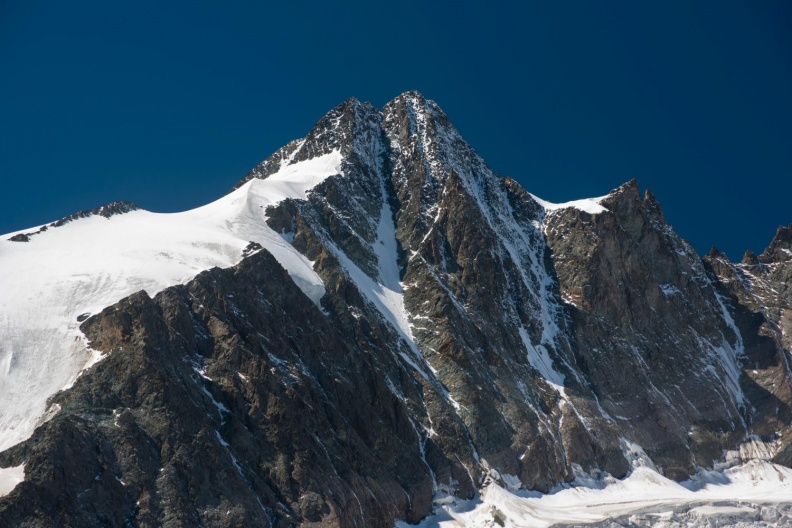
(91, 263)
(752, 488)
(10, 477)
(589, 205)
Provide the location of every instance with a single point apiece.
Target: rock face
(761, 296)
(468, 330)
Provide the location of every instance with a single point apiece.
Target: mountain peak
(780, 248)
(629, 188)
(750, 258)
(339, 129)
(627, 191)
(413, 97)
(714, 252)
(353, 104)
(414, 103)
(626, 195)
(652, 206)
(378, 310)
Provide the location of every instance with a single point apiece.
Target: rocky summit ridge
(466, 332)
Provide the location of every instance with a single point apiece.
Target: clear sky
(168, 104)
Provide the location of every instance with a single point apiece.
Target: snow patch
(635, 455)
(10, 477)
(541, 361)
(729, 354)
(589, 205)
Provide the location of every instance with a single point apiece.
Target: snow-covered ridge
(589, 205)
(107, 210)
(92, 262)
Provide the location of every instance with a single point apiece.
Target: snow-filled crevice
(522, 245)
(386, 293)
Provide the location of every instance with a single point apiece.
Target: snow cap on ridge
(107, 210)
(588, 205)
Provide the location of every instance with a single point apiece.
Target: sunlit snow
(10, 477)
(755, 488)
(589, 205)
(91, 263)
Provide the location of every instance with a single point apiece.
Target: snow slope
(90, 263)
(10, 477)
(756, 493)
(589, 205)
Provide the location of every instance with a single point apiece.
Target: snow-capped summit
(372, 320)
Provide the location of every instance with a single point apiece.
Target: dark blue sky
(169, 105)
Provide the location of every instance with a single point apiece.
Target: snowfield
(754, 493)
(90, 263)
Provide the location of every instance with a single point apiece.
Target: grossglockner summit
(372, 319)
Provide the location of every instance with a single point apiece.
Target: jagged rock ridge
(467, 331)
(107, 210)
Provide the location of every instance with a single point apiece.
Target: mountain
(372, 320)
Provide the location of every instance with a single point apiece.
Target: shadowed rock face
(234, 393)
(643, 305)
(531, 341)
(759, 288)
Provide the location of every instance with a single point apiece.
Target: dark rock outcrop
(761, 301)
(230, 401)
(107, 210)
